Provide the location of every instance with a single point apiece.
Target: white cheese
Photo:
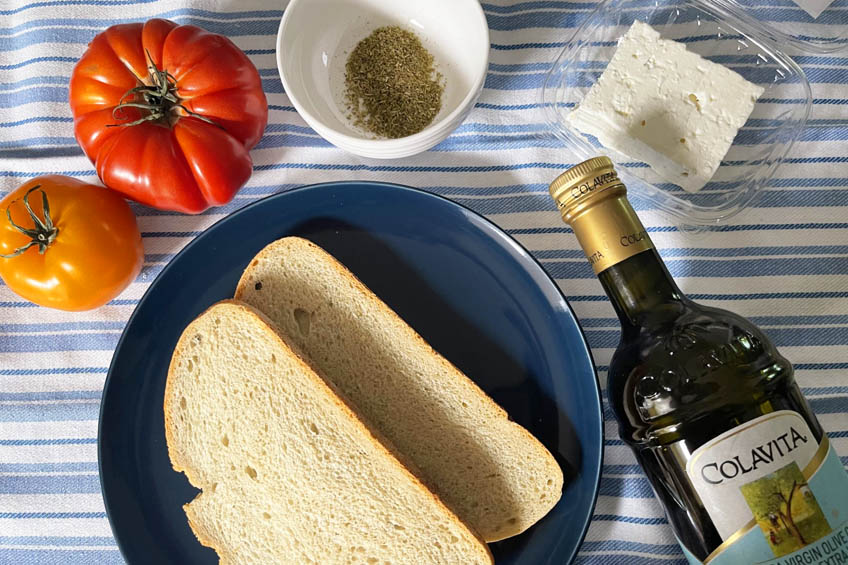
(659, 103)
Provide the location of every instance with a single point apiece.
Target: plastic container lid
(811, 26)
(718, 30)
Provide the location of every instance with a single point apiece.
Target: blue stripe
(37, 141)
(48, 467)
(38, 60)
(496, 21)
(62, 557)
(723, 228)
(58, 441)
(36, 94)
(40, 484)
(758, 320)
(55, 412)
(721, 269)
(54, 371)
(619, 559)
(36, 120)
(25, 304)
(566, 5)
(44, 79)
(532, 106)
(623, 470)
(61, 326)
(375, 168)
(52, 515)
(522, 6)
(621, 545)
(103, 23)
(813, 391)
(712, 251)
(820, 366)
(63, 146)
(830, 404)
(577, 269)
(470, 127)
(542, 255)
(559, 19)
(626, 488)
(454, 143)
(810, 391)
(730, 296)
(73, 3)
(781, 337)
(59, 342)
(585, 79)
(22, 174)
(629, 519)
(68, 35)
(57, 540)
(600, 64)
(51, 395)
(798, 320)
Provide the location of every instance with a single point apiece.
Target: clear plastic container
(818, 27)
(718, 30)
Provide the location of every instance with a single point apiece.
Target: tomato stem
(159, 99)
(44, 232)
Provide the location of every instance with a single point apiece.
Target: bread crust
(381, 445)
(270, 250)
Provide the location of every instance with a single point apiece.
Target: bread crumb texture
(287, 471)
(492, 472)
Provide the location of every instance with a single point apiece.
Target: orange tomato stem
(44, 232)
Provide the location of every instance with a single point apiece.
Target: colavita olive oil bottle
(708, 405)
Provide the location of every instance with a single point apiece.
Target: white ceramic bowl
(316, 36)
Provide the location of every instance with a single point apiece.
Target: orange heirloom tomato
(67, 244)
(168, 114)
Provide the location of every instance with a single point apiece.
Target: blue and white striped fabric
(783, 263)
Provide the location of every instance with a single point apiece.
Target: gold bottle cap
(593, 201)
(584, 182)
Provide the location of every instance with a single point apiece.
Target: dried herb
(391, 86)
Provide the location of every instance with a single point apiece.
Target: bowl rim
(429, 136)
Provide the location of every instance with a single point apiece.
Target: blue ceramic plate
(469, 289)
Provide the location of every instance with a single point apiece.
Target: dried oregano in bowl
(392, 88)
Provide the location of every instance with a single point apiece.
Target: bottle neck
(640, 288)
(624, 258)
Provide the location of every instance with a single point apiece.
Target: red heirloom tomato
(168, 114)
(67, 244)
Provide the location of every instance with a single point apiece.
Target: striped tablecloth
(783, 263)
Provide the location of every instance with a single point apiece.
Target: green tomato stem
(43, 234)
(159, 99)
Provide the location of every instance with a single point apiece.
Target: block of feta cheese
(659, 103)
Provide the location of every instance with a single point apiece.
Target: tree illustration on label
(786, 510)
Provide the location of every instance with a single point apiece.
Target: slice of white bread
(289, 472)
(492, 472)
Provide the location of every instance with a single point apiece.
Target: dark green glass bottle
(709, 407)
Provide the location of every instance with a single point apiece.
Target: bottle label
(774, 494)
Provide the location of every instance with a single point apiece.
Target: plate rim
(517, 246)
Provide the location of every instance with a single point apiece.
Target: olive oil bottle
(707, 404)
